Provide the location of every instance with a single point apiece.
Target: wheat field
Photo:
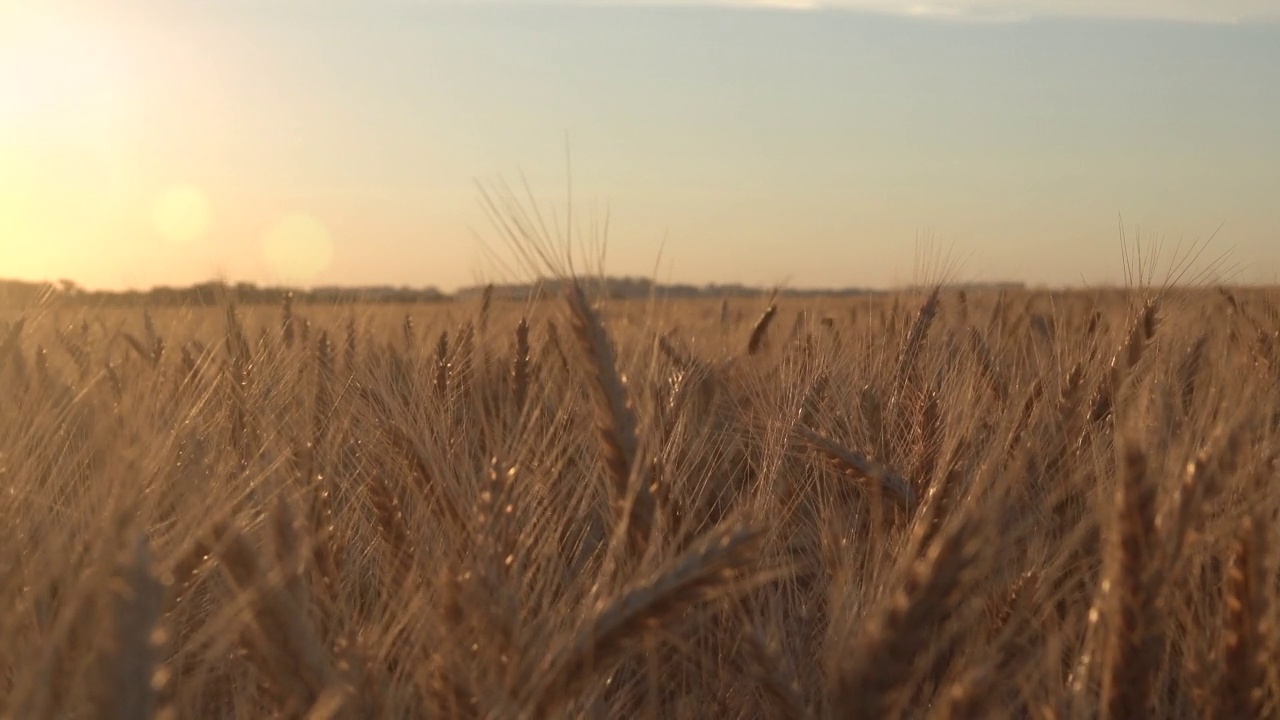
(932, 504)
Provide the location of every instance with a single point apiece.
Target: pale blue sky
(809, 146)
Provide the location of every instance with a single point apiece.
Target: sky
(806, 142)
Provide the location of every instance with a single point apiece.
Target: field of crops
(916, 505)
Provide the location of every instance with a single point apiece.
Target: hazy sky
(338, 141)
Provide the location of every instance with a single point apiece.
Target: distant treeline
(18, 292)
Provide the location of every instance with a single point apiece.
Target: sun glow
(64, 86)
(58, 75)
(181, 214)
(297, 248)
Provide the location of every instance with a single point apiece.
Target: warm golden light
(181, 214)
(57, 76)
(65, 87)
(297, 248)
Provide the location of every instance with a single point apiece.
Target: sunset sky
(148, 142)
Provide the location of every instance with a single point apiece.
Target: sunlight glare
(297, 248)
(58, 75)
(181, 214)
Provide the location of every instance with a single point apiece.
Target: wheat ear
(1130, 600)
(761, 329)
(1242, 693)
(520, 364)
(615, 417)
(858, 467)
(712, 568)
(871, 676)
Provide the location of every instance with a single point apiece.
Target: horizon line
(650, 285)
